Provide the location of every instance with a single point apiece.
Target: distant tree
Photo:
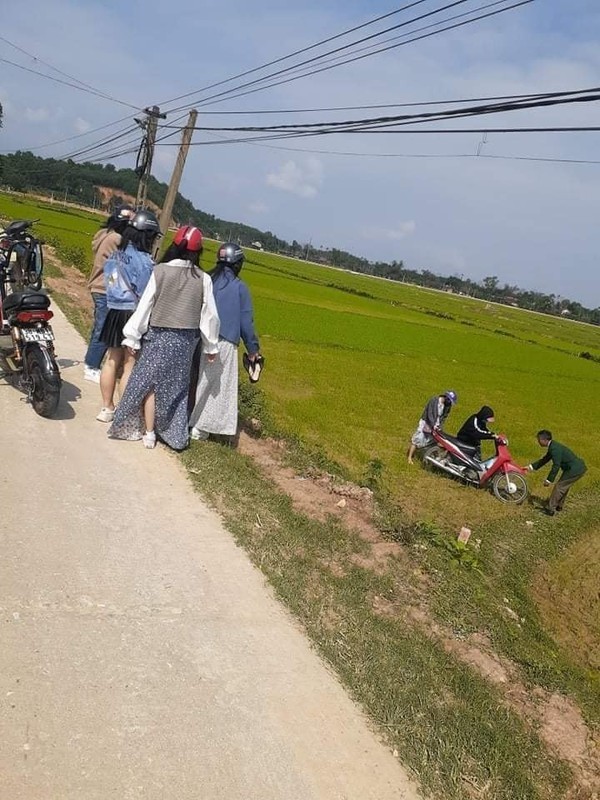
(490, 284)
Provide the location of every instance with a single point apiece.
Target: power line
(355, 154)
(102, 143)
(220, 99)
(68, 83)
(370, 49)
(110, 152)
(55, 69)
(293, 54)
(373, 123)
(339, 49)
(234, 92)
(380, 105)
(71, 138)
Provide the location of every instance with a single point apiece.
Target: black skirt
(112, 331)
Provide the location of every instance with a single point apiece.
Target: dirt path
(142, 655)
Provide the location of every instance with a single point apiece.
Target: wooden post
(167, 209)
(152, 123)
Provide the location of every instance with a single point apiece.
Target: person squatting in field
(126, 273)
(475, 429)
(176, 308)
(216, 402)
(434, 415)
(573, 468)
(104, 244)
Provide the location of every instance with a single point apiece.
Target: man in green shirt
(573, 468)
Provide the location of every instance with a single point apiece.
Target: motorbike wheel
(510, 487)
(433, 451)
(45, 389)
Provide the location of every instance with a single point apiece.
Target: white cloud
(394, 234)
(37, 114)
(82, 125)
(304, 179)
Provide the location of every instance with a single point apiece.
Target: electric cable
(218, 99)
(69, 83)
(295, 53)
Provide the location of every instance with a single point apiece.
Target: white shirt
(137, 325)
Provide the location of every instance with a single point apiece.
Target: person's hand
(211, 357)
(547, 483)
(132, 351)
(253, 356)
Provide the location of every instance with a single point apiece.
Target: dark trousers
(560, 492)
(96, 349)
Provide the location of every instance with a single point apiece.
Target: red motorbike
(499, 473)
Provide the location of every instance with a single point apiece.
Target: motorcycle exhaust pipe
(445, 465)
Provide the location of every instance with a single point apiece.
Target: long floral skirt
(163, 368)
(216, 408)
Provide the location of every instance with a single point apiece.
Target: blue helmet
(452, 396)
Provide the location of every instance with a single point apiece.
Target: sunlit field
(351, 360)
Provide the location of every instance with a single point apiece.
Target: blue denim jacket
(126, 274)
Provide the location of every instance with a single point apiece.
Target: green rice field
(351, 360)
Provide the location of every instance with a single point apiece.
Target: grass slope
(350, 363)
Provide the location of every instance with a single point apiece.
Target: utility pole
(167, 209)
(146, 153)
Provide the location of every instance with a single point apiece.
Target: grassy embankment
(350, 362)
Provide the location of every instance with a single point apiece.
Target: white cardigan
(137, 325)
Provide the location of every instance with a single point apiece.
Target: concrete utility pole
(147, 152)
(167, 209)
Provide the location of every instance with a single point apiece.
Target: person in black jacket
(475, 429)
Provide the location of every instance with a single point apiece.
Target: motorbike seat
(26, 301)
(466, 448)
(17, 227)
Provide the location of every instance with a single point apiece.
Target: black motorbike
(22, 255)
(25, 323)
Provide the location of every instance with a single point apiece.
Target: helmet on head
(451, 396)
(231, 254)
(144, 220)
(189, 236)
(120, 216)
(123, 212)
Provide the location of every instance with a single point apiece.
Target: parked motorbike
(22, 255)
(499, 473)
(25, 318)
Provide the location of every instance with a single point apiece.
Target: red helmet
(189, 236)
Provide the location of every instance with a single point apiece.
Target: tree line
(81, 183)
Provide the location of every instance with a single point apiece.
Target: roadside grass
(449, 726)
(350, 362)
(497, 597)
(567, 596)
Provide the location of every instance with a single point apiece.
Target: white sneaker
(149, 440)
(198, 436)
(91, 374)
(105, 415)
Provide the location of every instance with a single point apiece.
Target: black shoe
(548, 512)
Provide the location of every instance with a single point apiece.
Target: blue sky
(530, 223)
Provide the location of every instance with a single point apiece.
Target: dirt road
(142, 655)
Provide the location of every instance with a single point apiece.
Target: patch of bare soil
(322, 496)
(69, 282)
(556, 718)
